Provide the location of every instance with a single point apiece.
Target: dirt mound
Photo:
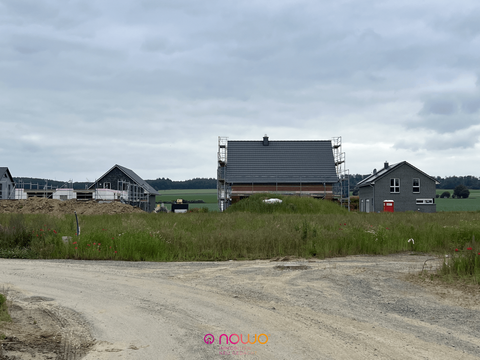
(58, 207)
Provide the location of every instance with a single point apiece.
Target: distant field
(209, 196)
(470, 204)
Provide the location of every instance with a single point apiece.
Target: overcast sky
(151, 84)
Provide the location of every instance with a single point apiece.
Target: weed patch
(298, 227)
(4, 315)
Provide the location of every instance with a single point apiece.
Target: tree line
(196, 183)
(449, 182)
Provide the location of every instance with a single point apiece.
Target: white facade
(64, 194)
(71, 194)
(20, 194)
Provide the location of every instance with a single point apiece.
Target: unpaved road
(358, 307)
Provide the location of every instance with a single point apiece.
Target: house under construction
(117, 184)
(120, 183)
(306, 168)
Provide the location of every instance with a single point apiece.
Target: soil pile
(58, 207)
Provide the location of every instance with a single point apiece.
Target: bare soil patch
(59, 207)
(41, 329)
(356, 307)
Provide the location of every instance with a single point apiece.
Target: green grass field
(209, 196)
(472, 203)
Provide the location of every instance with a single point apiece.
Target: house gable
(404, 184)
(117, 175)
(7, 184)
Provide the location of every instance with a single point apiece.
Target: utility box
(388, 206)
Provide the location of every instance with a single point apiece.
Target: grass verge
(300, 227)
(4, 317)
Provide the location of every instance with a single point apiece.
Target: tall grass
(289, 205)
(248, 230)
(463, 262)
(4, 315)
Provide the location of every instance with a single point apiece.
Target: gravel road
(358, 307)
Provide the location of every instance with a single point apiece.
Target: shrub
(445, 194)
(461, 191)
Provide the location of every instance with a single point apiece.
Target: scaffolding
(33, 190)
(223, 190)
(127, 193)
(341, 189)
(133, 194)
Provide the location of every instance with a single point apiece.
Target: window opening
(394, 185)
(416, 185)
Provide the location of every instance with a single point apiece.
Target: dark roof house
(304, 167)
(402, 185)
(136, 191)
(7, 184)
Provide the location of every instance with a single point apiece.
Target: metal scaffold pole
(222, 186)
(343, 185)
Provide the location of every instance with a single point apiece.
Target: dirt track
(357, 307)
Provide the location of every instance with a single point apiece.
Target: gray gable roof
(309, 161)
(132, 175)
(372, 178)
(3, 171)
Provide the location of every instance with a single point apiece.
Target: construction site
(314, 168)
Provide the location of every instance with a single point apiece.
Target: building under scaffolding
(302, 168)
(117, 184)
(122, 184)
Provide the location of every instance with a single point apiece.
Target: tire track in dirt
(358, 307)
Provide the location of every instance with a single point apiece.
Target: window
(395, 185)
(424, 201)
(416, 185)
(106, 185)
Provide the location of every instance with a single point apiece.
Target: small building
(305, 167)
(122, 184)
(398, 187)
(7, 185)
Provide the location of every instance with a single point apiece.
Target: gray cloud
(471, 105)
(439, 107)
(97, 83)
(458, 140)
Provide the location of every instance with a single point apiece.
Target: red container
(388, 206)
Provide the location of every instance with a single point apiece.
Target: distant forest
(158, 184)
(197, 183)
(449, 182)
